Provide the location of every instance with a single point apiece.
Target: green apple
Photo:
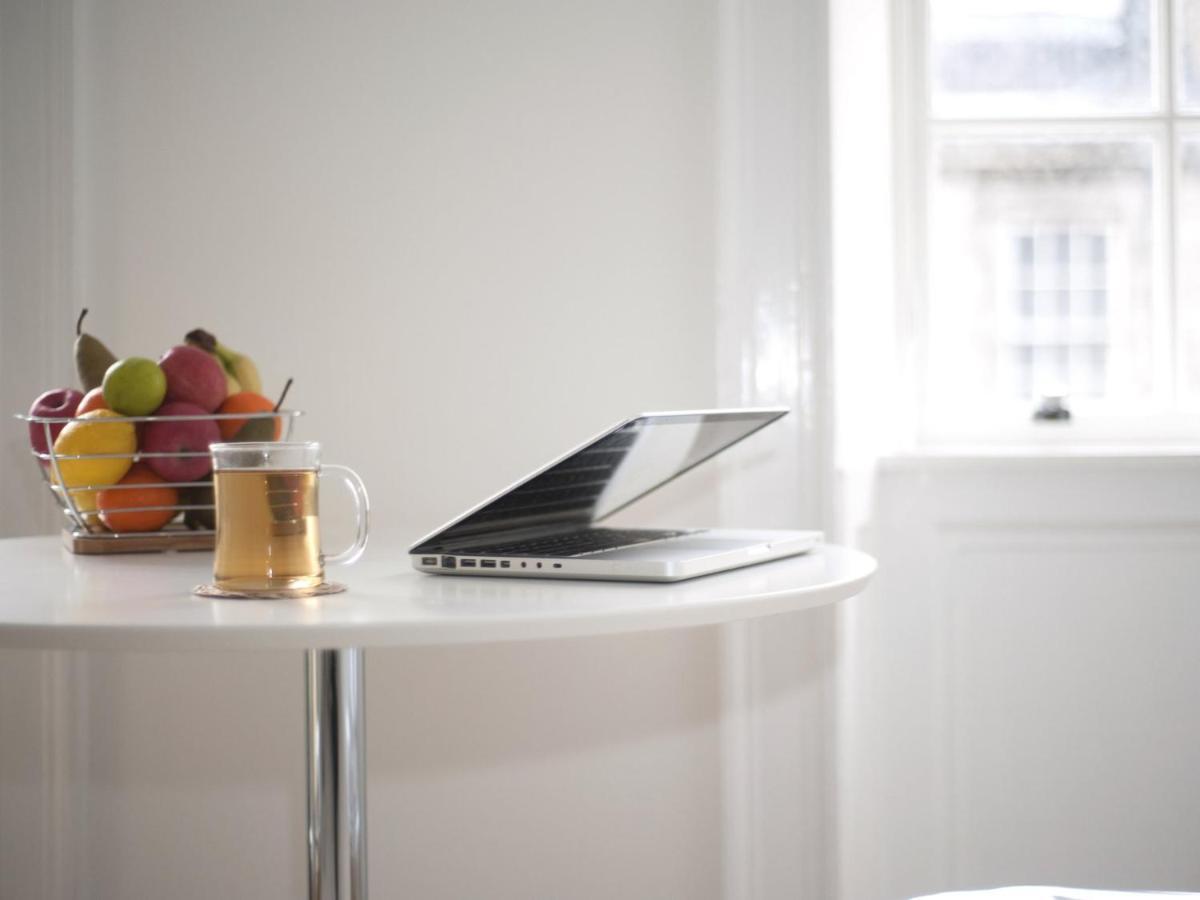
(134, 386)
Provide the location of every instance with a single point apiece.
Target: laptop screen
(607, 474)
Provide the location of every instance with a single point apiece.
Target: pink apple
(185, 435)
(61, 403)
(193, 376)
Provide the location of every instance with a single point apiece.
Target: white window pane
(1187, 39)
(1040, 271)
(1188, 288)
(1039, 57)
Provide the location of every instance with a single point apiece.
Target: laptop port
(487, 563)
(429, 560)
(504, 564)
(448, 562)
(558, 565)
(467, 563)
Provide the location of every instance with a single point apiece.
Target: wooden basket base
(105, 544)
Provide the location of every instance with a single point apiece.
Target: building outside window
(1053, 315)
(1054, 210)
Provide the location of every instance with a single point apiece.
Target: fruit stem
(202, 339)
(287, 387)
(79, 323)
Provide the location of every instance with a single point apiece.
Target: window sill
(1145, 434)
(1122, 455)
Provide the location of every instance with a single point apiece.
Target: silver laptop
(547, 525)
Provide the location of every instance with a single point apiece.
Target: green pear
(92, 358)
(259, 430)
(255, 431)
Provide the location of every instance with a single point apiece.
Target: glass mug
(267, 519)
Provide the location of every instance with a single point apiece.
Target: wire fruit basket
(188, 523)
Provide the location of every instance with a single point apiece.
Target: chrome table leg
(337, 801)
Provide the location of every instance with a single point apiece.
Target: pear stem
(79, 323)
(287, 387)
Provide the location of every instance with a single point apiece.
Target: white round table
(52, 600)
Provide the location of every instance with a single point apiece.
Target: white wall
(475, 234)
(35, 232)
(1022, 677)
(479, 227)
(499, 224)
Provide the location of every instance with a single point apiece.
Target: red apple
(185, 435)
(61, 403)
(193, 376)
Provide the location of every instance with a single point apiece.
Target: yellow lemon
(91, 434)
(85, 502)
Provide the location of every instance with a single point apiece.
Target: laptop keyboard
(575, 543)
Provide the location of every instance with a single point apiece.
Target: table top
(50, 599)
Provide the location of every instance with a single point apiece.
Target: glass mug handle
(362, 507)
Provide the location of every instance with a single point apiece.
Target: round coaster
(211, 590)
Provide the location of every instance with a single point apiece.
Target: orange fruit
(113, 502)
(244, 402)
(93, 399)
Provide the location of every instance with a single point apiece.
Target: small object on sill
(1052, 408)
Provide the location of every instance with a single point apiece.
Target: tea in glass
(268, 535)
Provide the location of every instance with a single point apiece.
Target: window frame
(1169, 419)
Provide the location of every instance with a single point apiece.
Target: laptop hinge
(506, 536)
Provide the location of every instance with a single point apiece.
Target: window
(1054, 207)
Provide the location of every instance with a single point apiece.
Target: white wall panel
(1020, 684)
